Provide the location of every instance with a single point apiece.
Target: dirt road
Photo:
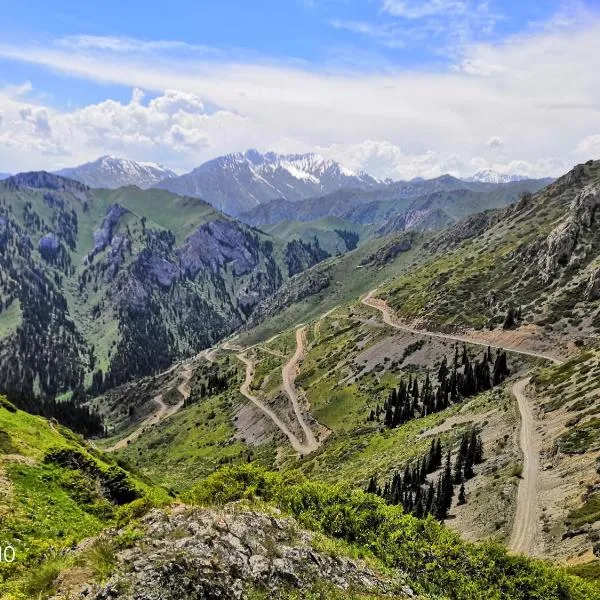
(245, 391)
(289, 374)
(154, 418)
(526, 518)
(164, 411)
(390, 320)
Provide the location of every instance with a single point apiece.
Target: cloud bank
(528, 105)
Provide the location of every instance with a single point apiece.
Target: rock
(49, 244)
(216, 244)
(201, 553)
(103, 236)
(592, 291)
(558, 250)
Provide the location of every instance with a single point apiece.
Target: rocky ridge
(231, 554)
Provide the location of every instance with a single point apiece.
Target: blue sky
(402, 87)
(320, 33)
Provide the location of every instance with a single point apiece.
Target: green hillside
(56, 491)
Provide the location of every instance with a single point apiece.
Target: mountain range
(312, 425)
(236, 183)
(111, 172)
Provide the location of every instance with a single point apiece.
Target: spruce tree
(462, 496)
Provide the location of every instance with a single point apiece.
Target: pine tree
(462, 496)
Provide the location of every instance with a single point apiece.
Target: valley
(285, 371)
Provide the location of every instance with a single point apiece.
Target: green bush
(432, 556)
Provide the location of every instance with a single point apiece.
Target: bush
(432, 556)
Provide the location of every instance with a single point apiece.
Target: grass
(434, 559)
(47, 508)
(192, 443)
(588, 513)
(580, 438)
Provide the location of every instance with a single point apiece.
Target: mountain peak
(43, 180)
(113, 172)
(236, 183)
(491, 176)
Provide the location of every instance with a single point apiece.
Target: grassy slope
(44, 507)
(348, 280)
(435, 560)
(450, 288)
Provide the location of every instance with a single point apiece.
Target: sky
(399, 88)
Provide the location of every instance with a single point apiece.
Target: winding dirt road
(289, 374)
(164, 411)
(245, 391)
(525, 524)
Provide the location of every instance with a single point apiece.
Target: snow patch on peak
(113, 172)
(491, 176)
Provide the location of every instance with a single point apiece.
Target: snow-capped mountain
(236, 183)
(491, 176)
(112, 172)
(4, 175)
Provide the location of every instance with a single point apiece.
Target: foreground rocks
(232, 554)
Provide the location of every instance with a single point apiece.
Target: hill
(427, 204)
(100, 286)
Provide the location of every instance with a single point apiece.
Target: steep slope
(99, 286)
(111, 172)
(335, 235)
(56, 490)
(235, 183)
(542, 254)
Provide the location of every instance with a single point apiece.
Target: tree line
(463, 379)
(420, 496)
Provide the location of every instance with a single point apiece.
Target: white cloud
(538, 91)
(417, 9)
(495, 143)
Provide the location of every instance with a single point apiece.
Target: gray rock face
(592, 291)
(160, 270)
(103, 236)
(49, 244)
(216, 244)
(205, 554)
(560, 247)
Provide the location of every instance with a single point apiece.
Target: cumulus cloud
(495, 143)
(172, 127)
(534, 88)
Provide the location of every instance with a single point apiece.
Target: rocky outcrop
(49, 244)
(559, 249)
(230, 554)
(388, 253)
(592, 291)
(103, 236)
(216, 244)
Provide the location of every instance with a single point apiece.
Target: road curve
(525, 524)
(388, 318)
(245, 391)
(289, 373)
(163, 411)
